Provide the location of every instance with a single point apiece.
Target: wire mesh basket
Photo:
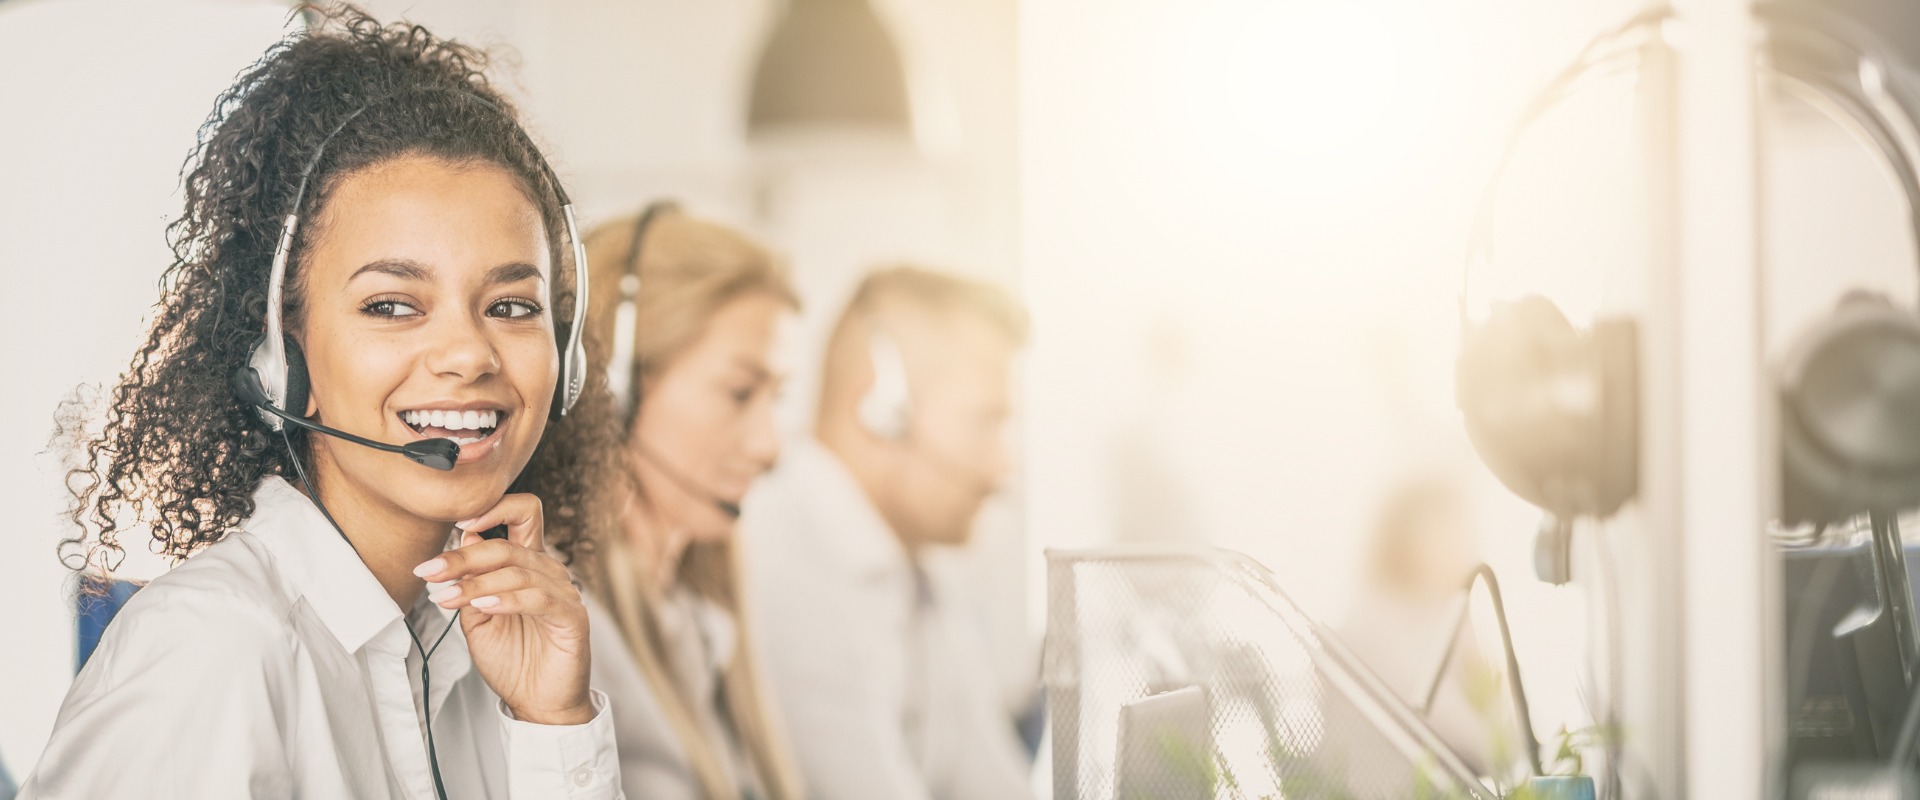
(1190, 675)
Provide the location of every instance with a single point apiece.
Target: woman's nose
(461, 350)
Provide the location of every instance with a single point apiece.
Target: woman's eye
(742, 396)
(390, 308)
(513, 309)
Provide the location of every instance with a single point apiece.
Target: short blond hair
(942, 293)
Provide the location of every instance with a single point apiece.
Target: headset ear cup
(1850, 415)
(266, 376)
(1553, 413)
(297, 381)
(1498, 386)
(559, 407)
(571, 382)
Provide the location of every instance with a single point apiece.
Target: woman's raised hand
(525, 623)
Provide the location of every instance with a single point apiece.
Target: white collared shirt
(273, 664)
(886, 693)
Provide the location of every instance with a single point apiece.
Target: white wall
(101, 100)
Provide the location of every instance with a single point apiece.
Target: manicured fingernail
(464, 524)
(445, 594)
(430, 568)
(485, 602)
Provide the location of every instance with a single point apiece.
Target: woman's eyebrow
(408, 269)
(513, 273)
(402, 268)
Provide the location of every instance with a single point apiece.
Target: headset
(1553, 410)
(1849, 387)
(623, 374)
(886, 410)
(274, 380)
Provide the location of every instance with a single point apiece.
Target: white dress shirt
(886, 692)
(273, 664)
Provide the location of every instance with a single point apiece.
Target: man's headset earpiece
(275, 379)
(886, 409)
(1554, 411)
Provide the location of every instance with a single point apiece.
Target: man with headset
(884, 688)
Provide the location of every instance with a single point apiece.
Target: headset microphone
(688, 485)
(439, 454)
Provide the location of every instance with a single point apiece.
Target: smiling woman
(308, 644)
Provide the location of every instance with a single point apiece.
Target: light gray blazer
(653, 763)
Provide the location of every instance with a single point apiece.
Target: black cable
(426, 695)
(1484, 573)
(426, 654)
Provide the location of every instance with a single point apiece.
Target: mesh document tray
(1189, 675)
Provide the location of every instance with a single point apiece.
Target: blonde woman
(691, 312)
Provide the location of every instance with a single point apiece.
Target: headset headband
(1614, 48)
(1866, 108)
(1877, 115)
(270, 360)
(622, 374)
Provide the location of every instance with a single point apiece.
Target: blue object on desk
(95, 605)
(7, 789)
(1560, 787)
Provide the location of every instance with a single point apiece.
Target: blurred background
(1240, 226)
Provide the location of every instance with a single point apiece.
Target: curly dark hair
(174, 451)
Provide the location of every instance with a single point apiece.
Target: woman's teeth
(452, 420)
(482, 423)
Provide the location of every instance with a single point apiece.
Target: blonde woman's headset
(624, 374)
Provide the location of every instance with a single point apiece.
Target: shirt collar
(861, 539)
(319, 564)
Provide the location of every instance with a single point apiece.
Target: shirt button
(582, 776)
